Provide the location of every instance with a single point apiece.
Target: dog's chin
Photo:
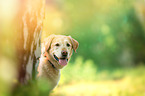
(62, 61)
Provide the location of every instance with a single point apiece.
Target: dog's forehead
(61, 39)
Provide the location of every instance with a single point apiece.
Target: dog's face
(60, 49)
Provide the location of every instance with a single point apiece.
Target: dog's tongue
(63, 62)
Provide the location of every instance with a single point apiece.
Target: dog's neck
(48, 71)
(51, 64)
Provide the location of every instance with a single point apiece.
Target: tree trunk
(20, 37)
(28, 39)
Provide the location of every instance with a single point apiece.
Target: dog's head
(60, 48)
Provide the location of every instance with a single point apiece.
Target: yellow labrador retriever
(56, 52)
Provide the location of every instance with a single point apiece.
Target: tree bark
(28, 39)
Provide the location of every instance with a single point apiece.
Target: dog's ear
(74, 42)
(47, 42)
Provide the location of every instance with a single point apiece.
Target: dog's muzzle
(62, 61)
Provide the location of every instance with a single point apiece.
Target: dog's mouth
(56, 58)
(62, 61)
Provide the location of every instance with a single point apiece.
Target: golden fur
(49, 66)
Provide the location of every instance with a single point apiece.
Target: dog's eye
(67, 44)
(57, 44)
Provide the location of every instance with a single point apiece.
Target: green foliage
(108, 31)
(87, 70)
(33, 88)
(82, 78)
(81, 70)
(99, 31)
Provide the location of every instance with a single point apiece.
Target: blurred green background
(109, 31)
(110, 60)
(111, 57)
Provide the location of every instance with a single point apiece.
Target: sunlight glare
(8, 8)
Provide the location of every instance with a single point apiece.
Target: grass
(82, 79)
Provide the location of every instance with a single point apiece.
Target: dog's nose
(64, 53)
